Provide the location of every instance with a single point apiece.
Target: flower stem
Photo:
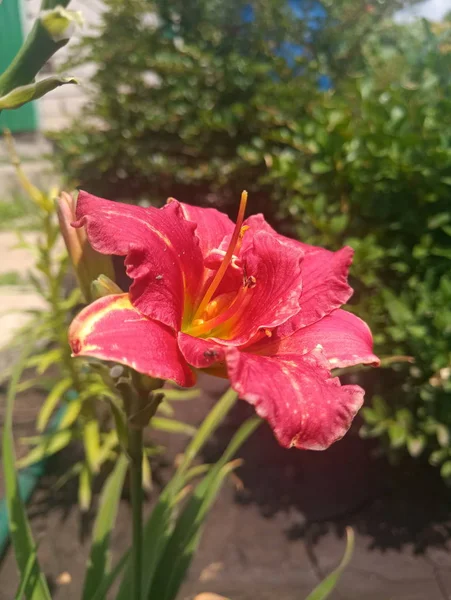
(136, 460)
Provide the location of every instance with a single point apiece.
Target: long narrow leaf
(84, 488)
(159, 526)
(24, 546)
(185, 538)
(204, 433)
(326, 587)
(98, 564)
(110, 578)
(91, 443)
(51, 402)
(173, 426)
(51, 443)
(27, 577)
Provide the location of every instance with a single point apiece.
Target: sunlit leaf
(20, 531)
(99, 559)
(326, 587)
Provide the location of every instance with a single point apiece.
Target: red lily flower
(239, 301)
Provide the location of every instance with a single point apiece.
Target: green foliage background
(194, 102)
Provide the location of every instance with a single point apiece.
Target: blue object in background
(312, 12)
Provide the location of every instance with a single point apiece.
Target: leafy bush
(200, 99)
(184, 91)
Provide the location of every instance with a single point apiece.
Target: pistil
(236, 237)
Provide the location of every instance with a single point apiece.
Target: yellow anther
(197, 322)
(268, 332)
(210, 310)
(243, 231)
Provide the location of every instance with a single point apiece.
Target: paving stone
(15, 300)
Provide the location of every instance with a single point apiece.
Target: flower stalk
(135, 452)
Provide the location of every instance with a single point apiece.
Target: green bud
(104, 286)
(59, 22)
(25, 93)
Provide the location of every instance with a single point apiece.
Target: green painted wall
(11, 37)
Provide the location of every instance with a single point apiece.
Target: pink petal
(325, 284)
(345, 340)
(163, 254)
(112, 329)
(200, 353)
(324, 275)
(212, 225)
(258, 223)
(305, 407)
(275, 297)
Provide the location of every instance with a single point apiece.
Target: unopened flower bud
(104, 286)
(88, 264)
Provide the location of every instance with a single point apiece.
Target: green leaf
(120, 421)
(172, 426)
(91, 442)
(165, 408)
(84, 488)
(26, 577)
(49, 444)
(445, 470)
(415, 445)
(186, 536)
(442, 435)
(58, 22)
(204, 433)
(397, 434)
(172, 395)
(159, 526)
(32, 91)
(24, 546)
(110, 578)
(98, 564)
(51, 402)
(109, 443)
(73, 409)
(43, 361)
(318, 167)
(147, 474)
(326, 587)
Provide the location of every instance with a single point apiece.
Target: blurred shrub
(336, 119)
(185, 90)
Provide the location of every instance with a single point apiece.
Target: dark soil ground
(282, 532)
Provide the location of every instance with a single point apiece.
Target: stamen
(240, 301)
(228, 257)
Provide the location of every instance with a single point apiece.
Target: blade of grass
(204, 433)
(50, 444)
(180, 549)
(326, 587)
(24, 546)
(26, 577)
(173, 426)
(159, 526)
(98, 564)
(51, 402)
(110, 578)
